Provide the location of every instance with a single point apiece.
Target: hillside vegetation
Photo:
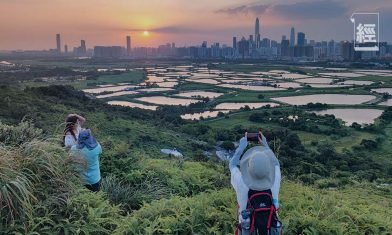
(144, 192)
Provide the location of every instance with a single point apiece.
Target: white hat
(257, 167)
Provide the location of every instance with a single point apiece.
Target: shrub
(130, 197)
(16, 135)
(369, 144)
(41, 192)
(228, 145)
(206, 213)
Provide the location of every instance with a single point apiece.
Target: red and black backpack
(262, 212)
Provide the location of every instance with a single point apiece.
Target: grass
(132, 77)
(307, 210)
(164, 195)
(161, 195)
(384, 152)
(304, 210)
(340, 143)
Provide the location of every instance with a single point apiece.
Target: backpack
(263, 219)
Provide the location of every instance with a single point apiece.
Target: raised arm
(263, 141)
(235, 161)
(276, 185)
(81, 119)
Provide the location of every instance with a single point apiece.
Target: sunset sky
(32, 24)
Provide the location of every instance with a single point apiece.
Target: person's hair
(70, 123)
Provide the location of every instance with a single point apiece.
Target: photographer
(73, 126)
(255, 177)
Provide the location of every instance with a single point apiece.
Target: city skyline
(33, 24)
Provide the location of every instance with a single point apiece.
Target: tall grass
(16, 135)
(131, 197)
(40, 191)
(31, 170)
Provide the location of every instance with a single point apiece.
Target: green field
(242, 118)
(336, 179)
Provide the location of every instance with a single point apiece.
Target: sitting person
(73, 126)
(257, 173)
(88, 149)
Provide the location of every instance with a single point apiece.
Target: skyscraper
(234, 42)
(83, 48)
(301, 39)
(65, 48)
(243, 47)
(266, 43)
(257, 33)
(292, 37)
(128, 45)
(285, 51)
(58, 42)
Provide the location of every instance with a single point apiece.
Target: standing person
(89, 150)
(255, 178)
(73, 126)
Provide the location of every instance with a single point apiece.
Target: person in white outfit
(256, 171)
(73, 126)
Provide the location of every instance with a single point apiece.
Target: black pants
(94, 187)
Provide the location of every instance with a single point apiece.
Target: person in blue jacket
(89, 150)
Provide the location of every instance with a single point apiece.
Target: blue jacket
(90, 173)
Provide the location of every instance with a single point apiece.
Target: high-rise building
(285, 51)
(128, 45)
(331, 48)
(300, 39)
(347, 50)
(243, 47)
(65, 48)
(283, 37)
(292, 37)
(258, 41)
(257, 33)
(266, 43)
(83, 48)
(58, 42)
(234, 42)
(108, 51)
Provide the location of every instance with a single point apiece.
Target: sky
(33, 24)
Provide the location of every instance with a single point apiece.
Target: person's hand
(260, 137)
(244, 140)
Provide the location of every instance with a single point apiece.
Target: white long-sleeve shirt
(71, 140)
(236, 177)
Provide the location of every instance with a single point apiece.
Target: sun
(146, 33)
